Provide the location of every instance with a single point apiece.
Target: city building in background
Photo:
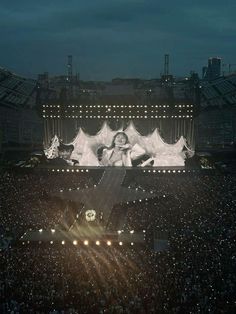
(213, 70)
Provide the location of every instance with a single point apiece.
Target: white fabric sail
(52, 151)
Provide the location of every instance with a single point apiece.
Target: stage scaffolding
(172, 120)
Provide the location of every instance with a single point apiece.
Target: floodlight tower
(166, 65)
(70, 76)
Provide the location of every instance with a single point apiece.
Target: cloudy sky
(115, 38)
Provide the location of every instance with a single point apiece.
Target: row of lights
(120, 117)
(154, 171)
(119, 231)
(117, 106)
(120, 111)
(70, 170)
(85, 242)
(70, 189)
(50, 116)
(51, 106)
(169, 171)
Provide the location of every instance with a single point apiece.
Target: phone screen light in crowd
(86, 242)
(97, 242)
(109, 243)
(75, 242)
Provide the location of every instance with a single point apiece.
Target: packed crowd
(29, 200)
(195, 275)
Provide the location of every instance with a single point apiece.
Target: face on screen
(120, 139)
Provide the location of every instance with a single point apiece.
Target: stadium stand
(223, 88)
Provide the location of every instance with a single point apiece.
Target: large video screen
(121, 148)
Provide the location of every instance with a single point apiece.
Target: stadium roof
(219, 92)
(16, 91)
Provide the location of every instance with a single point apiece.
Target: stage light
(109, 243)
(132, 243)
(144, 231)
(63, 242)
(51, 242)
(131, 231)
(86, 242)
(40, 230)
(75, 242)
(53, 230)
(120, 243)
(97, 242)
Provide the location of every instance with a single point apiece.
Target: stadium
(123, 202)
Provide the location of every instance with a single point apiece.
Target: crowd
(28, 200)
(196, 213)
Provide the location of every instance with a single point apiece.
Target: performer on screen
(121, 152)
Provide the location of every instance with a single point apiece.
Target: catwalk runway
(106, 194)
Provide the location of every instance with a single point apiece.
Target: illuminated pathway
(106, 194)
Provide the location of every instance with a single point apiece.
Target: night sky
(115, 38)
